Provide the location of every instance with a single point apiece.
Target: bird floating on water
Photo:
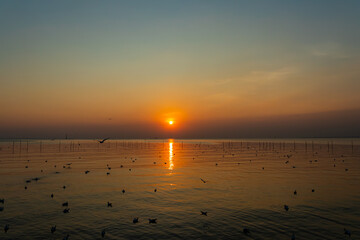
(2, 200)
(123, 191)
(66, 210)
(286, 207)
(152, 220)
(246, 231)
(293, 236)
(109, 204)
(1, 209)
(103, 233)
(347, 232)
(6, 228)
(203, 213)
(136, 220)
(155, 190)
(65, 204)
(66, 237)
(53, 229)
(87, 171)
(295, 192)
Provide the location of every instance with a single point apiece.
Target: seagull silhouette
(152, 220)
(53, 229)
(6, 228)
(347, 232)
(136, 220)
(286, 207)
(203, 213)
(102, 141)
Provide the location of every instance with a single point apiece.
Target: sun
(171, 122)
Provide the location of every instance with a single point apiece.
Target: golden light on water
(171, 162)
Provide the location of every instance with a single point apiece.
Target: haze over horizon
(217, 69)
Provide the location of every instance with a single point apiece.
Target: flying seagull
(102, 141)
(203, 180)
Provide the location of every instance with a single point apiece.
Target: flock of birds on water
(66, 209)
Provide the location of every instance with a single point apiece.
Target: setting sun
(171, 122)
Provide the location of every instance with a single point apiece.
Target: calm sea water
(247, 184)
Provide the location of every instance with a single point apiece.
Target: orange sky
(139, 65)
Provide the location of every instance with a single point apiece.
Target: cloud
(329, 50)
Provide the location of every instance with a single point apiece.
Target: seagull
(66, 210)
(155, 190)
(6, 228)
(109, 204)
(121, 166)
(203, 180)
(64, 187)
(65, 204)
(347, 232)
(107, 173)
(123, 191)
(25, 187)
(246, 231)
(136, 220)
(53, 229)
(203, 213)
(102, 141)
(295, 192)
(2, 200)
(87, 171)
(312, 190)
(103, 233)
(52, 195)
(152, 220)
(286, 207)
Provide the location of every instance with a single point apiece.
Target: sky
(216, 68)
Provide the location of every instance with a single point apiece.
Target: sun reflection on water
(171, 162)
